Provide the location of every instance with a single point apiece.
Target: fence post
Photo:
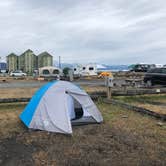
(109, 94)
(71, 75)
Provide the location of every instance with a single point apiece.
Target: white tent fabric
(56, 109)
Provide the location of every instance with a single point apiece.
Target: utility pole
(60, 62)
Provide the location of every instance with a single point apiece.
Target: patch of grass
(129, 99)
(109, 113)
(12, 106)
(131, 121)
(125, 138)
(9, 119)
(146, 101)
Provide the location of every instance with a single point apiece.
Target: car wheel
(149, 83)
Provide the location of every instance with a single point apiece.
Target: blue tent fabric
(27, 114)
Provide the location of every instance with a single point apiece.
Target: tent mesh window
(78, 109)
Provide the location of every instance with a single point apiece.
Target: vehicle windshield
(156, 70)
(164, 70)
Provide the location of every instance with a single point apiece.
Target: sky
(86, 31)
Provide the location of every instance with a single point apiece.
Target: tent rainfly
(58, 105)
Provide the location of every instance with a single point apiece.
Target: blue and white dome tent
(57, 106)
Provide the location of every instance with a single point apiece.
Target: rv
(85, 70)
(89, 70)
(77, 71)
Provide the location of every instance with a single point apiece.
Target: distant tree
(66, 71)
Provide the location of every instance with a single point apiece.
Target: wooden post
(109, 85)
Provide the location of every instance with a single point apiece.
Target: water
(102, 67)
(113, 68)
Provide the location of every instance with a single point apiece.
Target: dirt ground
(28, 92)
(17, 92)
(125, 138)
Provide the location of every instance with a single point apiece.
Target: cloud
(107, 31)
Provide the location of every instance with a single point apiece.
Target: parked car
(18, 73)
(155, 76)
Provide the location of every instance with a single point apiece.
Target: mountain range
(99, 66)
